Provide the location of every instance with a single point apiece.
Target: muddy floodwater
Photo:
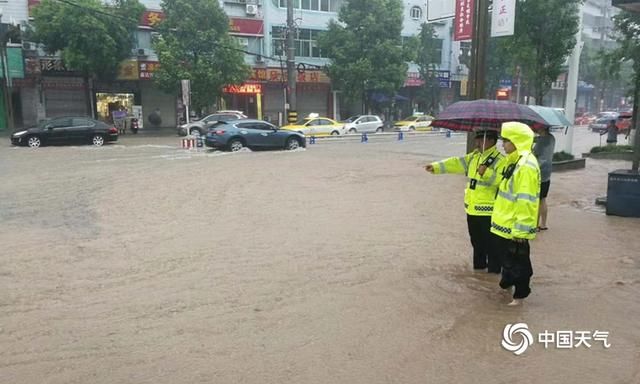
(140, 262)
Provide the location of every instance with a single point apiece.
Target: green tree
(194, 44)
(544, 37)
(92, 37)
(425, 47)
(365, 48)
(627, 26)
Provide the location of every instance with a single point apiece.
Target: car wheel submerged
(379, 129)
(335, 133)
(98, 140)
(353, 130)
(34, 142)
(292, 144)
(195, 132)
(236, 145)
(412, 128)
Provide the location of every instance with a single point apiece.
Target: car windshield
(411, 118)
(352, 119)
(306, 121)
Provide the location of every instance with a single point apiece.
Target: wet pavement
(140, 262)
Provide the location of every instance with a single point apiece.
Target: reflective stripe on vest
(483, 208)
(524, 228)
(501, 228)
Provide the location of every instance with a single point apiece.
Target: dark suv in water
(66, 130)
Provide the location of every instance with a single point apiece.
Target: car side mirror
(48, 126)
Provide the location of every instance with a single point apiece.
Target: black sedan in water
(255, 134)
(66, 130)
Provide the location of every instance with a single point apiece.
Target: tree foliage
(194, 44)
(423, 51)
(365, 48)
(92, 37)
(627, 27)
(543, 39)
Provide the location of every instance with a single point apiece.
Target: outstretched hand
(429, 168)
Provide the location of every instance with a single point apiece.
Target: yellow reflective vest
(480, 194)
(515, 212)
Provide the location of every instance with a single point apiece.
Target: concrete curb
(569, 165)
(627, 156)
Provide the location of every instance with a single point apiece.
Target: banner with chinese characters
(503, 18)
(146, 69)
(463, 22)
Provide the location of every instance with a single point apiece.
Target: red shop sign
(246, 27)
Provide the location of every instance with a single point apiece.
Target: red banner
(246, 27)
(463, 24)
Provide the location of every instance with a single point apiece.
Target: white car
(363, 124)
(198, 127)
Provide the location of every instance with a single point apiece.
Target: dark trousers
(516, 266)
(484, 254)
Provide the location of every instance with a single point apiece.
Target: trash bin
(623, 193)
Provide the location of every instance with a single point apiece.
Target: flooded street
(140, 262)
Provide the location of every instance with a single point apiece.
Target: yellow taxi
(314, 125)
(417, 122)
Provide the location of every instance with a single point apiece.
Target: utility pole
(291, 65)
(479, 46)
(478, 57)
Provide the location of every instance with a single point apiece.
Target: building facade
(49, 89)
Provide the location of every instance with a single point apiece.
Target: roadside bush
(562, 156)
(612, 149)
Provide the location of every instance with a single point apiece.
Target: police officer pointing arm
(483, 168)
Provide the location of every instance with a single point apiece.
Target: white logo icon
(526, 338)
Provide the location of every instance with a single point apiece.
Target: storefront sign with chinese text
(128, 70)
(243, 89)
(151, 18)
(277, 75)
(52, 65)
(246, 27)
(147, 68)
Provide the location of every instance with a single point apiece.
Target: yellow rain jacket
(515, 213)
(478, 199)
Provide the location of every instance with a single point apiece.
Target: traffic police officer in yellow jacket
(483, 167)
(515, 212)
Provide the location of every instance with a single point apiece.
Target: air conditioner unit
(259, 59)
(28, 46)
(251, 9)
(143, 52)
(243, 41)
